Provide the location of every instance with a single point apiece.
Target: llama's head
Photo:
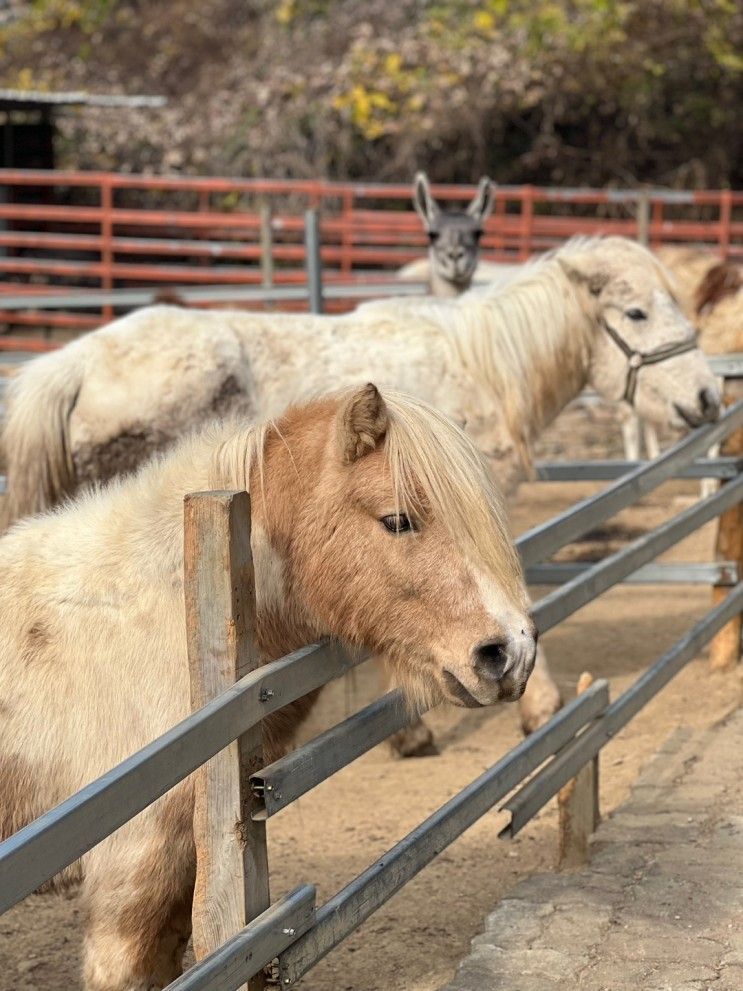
(453, 235)
(645, 350)
(397, 542)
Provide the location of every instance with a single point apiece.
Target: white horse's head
(646, 351)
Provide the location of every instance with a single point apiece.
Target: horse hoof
(531, 721)
(415, 741)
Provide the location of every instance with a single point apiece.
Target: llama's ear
(425, 205)
(584, 271)
(361, 423)
(480, 207)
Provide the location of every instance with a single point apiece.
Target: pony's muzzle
(502, 664)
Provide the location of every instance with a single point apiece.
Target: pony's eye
(433, 236)
(477, 235)
(398, 523)
(636, 314)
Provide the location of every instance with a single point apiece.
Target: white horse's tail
(35, 438)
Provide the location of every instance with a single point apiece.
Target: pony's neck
(530, 344)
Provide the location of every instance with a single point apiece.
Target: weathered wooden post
(725, 648)
(578, 805)
(231, 857)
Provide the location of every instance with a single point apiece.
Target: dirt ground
(328, 836)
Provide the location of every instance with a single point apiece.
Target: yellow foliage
(484, 21)
(286, 11)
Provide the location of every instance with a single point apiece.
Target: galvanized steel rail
(58, 838)
(543, 540)
(524, 805)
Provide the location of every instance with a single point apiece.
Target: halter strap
(638, 359)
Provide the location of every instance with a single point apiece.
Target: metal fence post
(106, 232)
(578, 805)
(266, 246)
(231, 856)
(643, 217)
(314, 261)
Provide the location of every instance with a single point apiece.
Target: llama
(374, 520)
(453, 236)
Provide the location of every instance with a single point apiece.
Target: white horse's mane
(543, 336)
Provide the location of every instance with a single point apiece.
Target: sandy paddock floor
(416, 940)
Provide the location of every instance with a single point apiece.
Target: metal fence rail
(525, 804)
(57, 839)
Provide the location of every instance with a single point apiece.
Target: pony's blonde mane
(432, 462)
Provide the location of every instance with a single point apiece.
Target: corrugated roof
(20, 98)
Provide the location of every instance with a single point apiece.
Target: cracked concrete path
(660, 906)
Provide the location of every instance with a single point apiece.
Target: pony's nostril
(709, 403)
(492, 660)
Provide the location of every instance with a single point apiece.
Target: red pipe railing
(94, 234)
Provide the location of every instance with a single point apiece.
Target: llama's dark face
(454, 236)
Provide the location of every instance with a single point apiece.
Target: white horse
(374, 520)
(502, 362)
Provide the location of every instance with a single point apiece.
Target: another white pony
(502, 362)
(374, 520)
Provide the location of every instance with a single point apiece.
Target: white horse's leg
(650, 436)
(709, 486)
(139, 893)
(630, 435)
(541, 698)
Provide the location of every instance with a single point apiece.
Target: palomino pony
(375, 520)
(502, 362)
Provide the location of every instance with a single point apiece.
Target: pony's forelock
(432, 460)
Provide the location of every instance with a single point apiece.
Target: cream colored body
(92, 633)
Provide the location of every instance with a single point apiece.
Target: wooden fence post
(231, 857)
(725, 648)
(578, 805)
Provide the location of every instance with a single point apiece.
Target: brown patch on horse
(20, 787)
(720, 281)
(155, 920)
(230, 397)
(119, 455)
(36, 644)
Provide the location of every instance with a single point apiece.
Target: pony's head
(389, 534)
(645, 352)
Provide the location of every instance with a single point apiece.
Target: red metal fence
(83, 231)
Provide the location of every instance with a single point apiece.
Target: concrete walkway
(660, 908)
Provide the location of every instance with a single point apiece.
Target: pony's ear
(361, 423)
(583, 271)
(425, 205)
(482, 204)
